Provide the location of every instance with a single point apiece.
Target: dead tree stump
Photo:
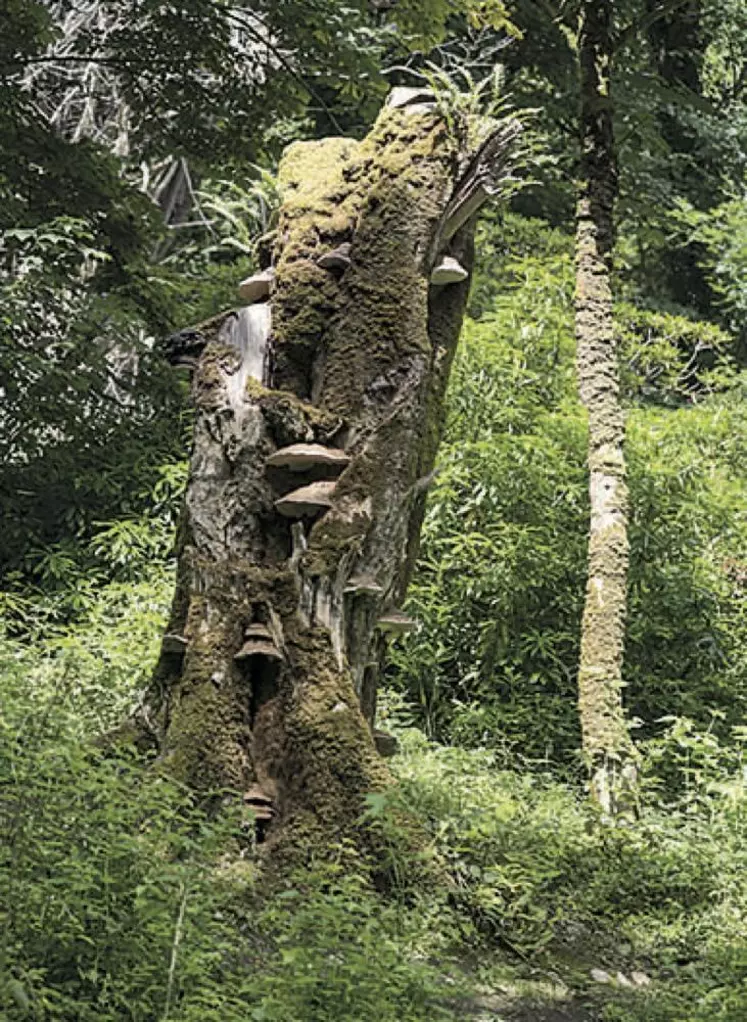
(318, 417)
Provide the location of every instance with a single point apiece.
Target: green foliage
(221, 246)
(530, 869)
(671, 359)
(200, 76)
(107, 870)
(721, 234)
(90, 414)
(122, 899)
(687, 625)
(425, 21)
(340, 954)
(99, 566)
(503, 556)
(239, 215)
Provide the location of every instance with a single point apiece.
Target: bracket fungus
(363, 585)
(301, 457)
(174, 644)
(394, 622)
(257, 287)
(258, 647)
(448, 271)
(259, 802)
(386, 744)
(337, 259)
(403, 96)
(258, 631)
(306, 501)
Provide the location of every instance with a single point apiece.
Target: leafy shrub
(108, 872)
(339, 953)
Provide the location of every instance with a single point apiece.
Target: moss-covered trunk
(606, 739)
(286, 595)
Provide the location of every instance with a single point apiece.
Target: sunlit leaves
(502, 570)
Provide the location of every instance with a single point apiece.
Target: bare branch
(282, 59)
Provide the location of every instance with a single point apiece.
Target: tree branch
(61, 58)
(280, 56)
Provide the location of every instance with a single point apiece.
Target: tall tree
(606, 740)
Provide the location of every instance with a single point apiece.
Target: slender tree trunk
(606, 740)
(294, 560)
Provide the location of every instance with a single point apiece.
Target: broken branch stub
(285, 598)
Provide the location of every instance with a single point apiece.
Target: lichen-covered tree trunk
(606, 740)
(318, 416)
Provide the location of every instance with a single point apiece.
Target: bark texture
(606, 740)
(267, 677)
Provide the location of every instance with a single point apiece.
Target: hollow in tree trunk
(318, 411)
(606, 740)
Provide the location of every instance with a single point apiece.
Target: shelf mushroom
(258, 631)
(258, 644)
(394, 622)
(337, 259)
(259, 802)
(257, 287)
(448, 271)
(386, 744)
(363, 585)
(176, 644)
(302, 457)
(415, 100)
(307, 501)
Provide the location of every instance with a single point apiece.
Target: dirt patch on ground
(502, 1008)
(572, 1012)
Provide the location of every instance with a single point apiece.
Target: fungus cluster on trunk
(314, 497)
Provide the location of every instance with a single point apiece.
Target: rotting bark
(268, 674)
(606, 740)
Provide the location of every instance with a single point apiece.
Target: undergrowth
(123, 900)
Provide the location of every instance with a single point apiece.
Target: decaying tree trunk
(318, 416)
(607, 743)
